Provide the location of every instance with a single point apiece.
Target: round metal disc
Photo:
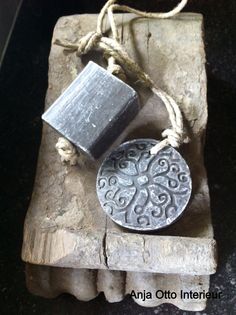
(141, 191)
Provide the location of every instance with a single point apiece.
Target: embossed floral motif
(143, 191)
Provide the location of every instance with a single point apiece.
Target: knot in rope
(172, 137)
(175, 137)
(88, 42)
(67, 151)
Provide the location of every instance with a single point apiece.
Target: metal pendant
(141, 191)
(93, 110)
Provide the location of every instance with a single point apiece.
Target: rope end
(67, 151)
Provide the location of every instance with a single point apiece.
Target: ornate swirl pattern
(142, 191)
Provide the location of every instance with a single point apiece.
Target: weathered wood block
(93, 110)
(80, 250)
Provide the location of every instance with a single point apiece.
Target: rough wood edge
(85, 285)
(124, 252)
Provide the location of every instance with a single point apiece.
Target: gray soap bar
(93, 110)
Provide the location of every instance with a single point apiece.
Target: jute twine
(120, 63)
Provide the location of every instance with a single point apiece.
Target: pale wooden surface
(86, 284)
(65, 225)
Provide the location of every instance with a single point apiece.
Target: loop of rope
(115, 53)
(115, 69)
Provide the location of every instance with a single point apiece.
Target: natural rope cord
(118, 59)
(67, 151)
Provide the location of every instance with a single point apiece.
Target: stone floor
(23, 83)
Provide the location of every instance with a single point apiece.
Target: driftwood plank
(65, 225)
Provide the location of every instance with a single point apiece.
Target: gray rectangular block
(93, 110)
